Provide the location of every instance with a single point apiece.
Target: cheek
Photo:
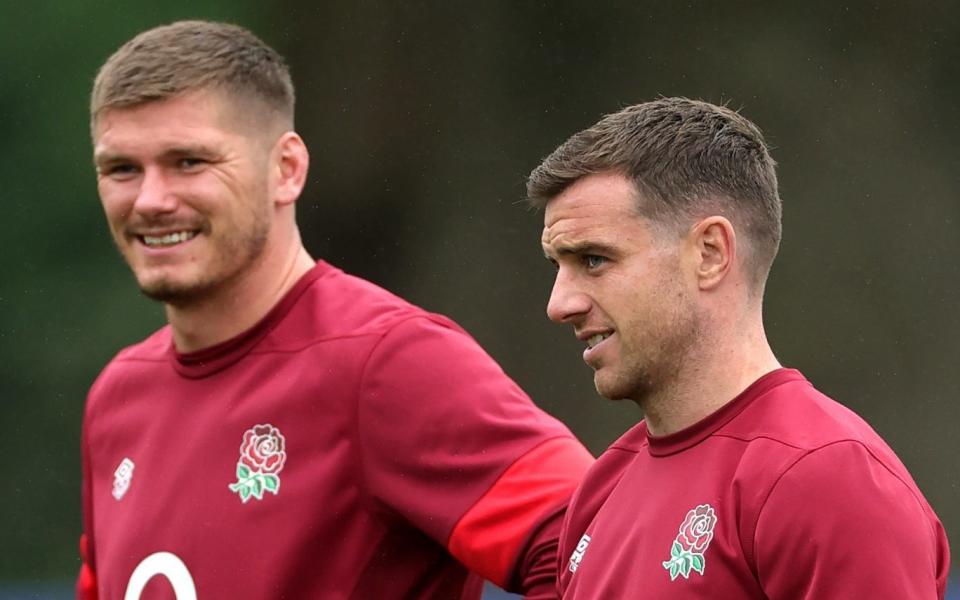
(116, 201)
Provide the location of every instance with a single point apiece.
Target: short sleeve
(442, 428)
(841, 524)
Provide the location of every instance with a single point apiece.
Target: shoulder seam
(751, 556)
(626, 449)
(773, 439)
(413, 313)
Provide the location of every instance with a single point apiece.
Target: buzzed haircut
(186, 56)
(688, 159)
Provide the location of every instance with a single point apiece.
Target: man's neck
(707, 382)
(239, 305)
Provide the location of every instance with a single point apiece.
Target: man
(294, 432)
(742, 480)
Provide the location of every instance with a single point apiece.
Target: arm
(511, 535)
(457, 449)
(841, 524)
(86, 587)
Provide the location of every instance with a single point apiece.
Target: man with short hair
(742, 480)
(294, 432)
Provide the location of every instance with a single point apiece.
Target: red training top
(350, 445)
(781, 494)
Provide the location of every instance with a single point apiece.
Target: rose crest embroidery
(262, 455)
(691, 543)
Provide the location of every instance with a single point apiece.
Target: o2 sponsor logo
(168, 565)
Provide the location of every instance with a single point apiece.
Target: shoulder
(597, 485)
(849, 470)
(798, 417)
(337, 305)
(844, 509)
(152, 350)
(610, 467)
(802, 450)
(794, 423)
(607, 471)
(136, 363)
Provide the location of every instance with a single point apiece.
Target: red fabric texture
(492, 534)
(87, 581)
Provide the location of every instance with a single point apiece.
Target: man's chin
(173, 293)
(606, 388)
(613, 387)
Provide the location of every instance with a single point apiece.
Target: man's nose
(155, 195)
(567, 302)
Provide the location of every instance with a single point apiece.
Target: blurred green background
(424, 118)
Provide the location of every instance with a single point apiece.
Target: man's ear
(290, 163)
(715, 246)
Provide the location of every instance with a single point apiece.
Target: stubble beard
(650, 365)
(233, 257)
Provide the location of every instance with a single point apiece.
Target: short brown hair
(686, 158)
(169, 60)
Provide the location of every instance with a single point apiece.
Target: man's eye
(120, 171)
(190, 164)
(592, 261)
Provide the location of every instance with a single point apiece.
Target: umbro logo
(577, 555)
(122, 478)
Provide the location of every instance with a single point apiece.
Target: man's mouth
(167, 239)
(593, 340)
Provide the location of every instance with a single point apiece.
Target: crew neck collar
(704, 428)
(210, 360)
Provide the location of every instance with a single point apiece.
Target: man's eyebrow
(582, 248)
(108, 157)
(189, 150)
(103, 158)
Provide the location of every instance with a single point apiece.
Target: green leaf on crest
(685, 565)
(676, 550)
(271, 482)
(698, 563)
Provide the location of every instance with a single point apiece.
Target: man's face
(620, 284)
(184, 188)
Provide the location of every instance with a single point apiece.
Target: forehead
(205, 104)
(596, 208)
(197, 116)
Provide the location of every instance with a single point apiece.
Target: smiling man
(294, 432)
(742, 481)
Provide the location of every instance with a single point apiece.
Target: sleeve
(86, 587)
(455, 447)
(840, 524)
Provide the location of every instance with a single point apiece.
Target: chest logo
(262, 455)
(122, 478)
(688, 548)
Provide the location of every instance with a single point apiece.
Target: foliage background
(424, 118)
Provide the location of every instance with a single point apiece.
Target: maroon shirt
(350, 445)
(781, 494)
